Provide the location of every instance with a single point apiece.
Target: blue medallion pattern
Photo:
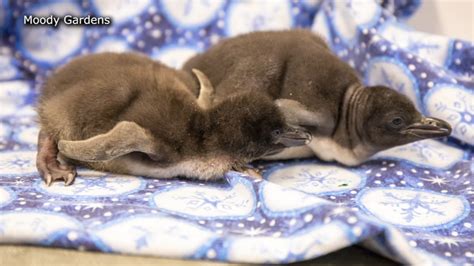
(4, 133)
(18, 163)
(429, 47)
(112, 44)
(456, 105)
(295, 201)
(413, 208)
(34, 227)
(237, 200)
(426, 153)
(13, 95)
(122, 10)
(94, 184)
(6, 196)
(175, 56)
(316, 179)
(152, 235)
(352, 15)
(8, 70)
(191, 14)
(301, 246)
(46, 44)
(411, 203)
(247, 16)
(389, 72)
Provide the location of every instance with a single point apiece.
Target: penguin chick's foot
(252, 172)
(47, 162)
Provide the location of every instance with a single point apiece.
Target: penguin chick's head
(250, 125)
(392, 120)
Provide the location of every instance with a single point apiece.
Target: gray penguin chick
(315, 89)
(126, 113)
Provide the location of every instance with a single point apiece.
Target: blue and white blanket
(411, 203)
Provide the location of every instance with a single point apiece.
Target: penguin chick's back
(92, 93)
(292, 64)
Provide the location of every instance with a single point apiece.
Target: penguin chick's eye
(276, 133)
(397, 122)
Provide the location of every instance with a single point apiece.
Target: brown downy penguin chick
(315, 89)
(125, 113)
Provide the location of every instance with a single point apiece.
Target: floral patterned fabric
(411, 203)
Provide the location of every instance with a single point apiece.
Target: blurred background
(454, 18)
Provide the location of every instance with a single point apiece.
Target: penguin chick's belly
(324, 148)
(200, 168)
(329, 150)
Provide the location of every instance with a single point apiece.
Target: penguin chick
(315, 89)
(125, 113)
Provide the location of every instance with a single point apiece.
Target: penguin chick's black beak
(293, 136)
(428, 127)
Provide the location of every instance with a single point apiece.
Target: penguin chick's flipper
(48, 165)
(298, 114)
(206, 90)
(126, 137)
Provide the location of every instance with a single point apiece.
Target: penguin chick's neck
(355, 101)
(349, 133)
(211, 135)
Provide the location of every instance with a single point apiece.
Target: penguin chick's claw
(252, 172)
(54, 172)
(206, 90)
(48, 165)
